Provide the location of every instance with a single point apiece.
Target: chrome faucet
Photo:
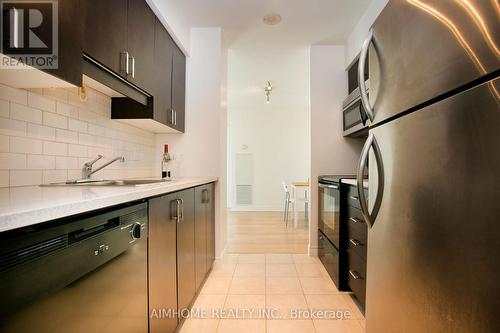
(87, 167)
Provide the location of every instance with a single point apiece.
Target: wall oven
(85, 274)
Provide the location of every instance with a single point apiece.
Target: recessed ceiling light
(272, 19)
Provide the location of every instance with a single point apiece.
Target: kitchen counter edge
(24, 206)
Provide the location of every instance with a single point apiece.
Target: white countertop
(354, 182)
(24, 206)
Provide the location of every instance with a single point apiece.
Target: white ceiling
(304, 22)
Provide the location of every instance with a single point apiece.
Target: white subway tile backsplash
(4, 143)
(26, 113)
(4, 109)
(65, 163)
(25, 177)
(54, 176)
(87, 116)
(12, 161)
(14, 95)
(77, 151)
(46, 135)
(56, 93)
(4, 178)
(25, 145)
(66, 136)
(40, 102)
(40, 162)
(86, 139)
(55, 120)
(55, 148)
(12, 127)
(96, 130)
(77, 125)
(41, 132)
(66, 110)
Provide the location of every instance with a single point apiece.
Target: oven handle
(336, 187)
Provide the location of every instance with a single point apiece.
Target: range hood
(123, 93)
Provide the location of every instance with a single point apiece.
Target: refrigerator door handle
(361, 76)
(370, 217)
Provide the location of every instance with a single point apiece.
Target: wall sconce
(268, 90)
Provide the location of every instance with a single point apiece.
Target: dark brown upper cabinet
(105, 32)
(120, 35)
(141, 41)
(164, 47)
(179, 89)
(170, 78)
(70, 42)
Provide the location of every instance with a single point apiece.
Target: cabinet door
(105, 31)
(70, 26)
(210, 211)
(179, 88)
(200, 233)
(163, 53)
(162, 260)
(141, 40)
(186, 288)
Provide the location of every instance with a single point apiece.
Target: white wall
(198, 152)
(358, 34)
(331, 153)
(171, 17)
(277, 134)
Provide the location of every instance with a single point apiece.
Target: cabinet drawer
(356, 278)
(356, 226)
(353, 197)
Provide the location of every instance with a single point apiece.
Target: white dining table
(297, 187)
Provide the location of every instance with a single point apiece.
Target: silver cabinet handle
(204, 196)
(181, 215)
(133, 67)
(354, 275)
(172, 116)
(328, 186)
(361, 76)
(175, 117)
(354, 242)
(177, 210)
(355, 220)
(354, 198)
(370, 217)
(124, 63)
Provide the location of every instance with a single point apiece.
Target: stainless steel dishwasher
(85, 274)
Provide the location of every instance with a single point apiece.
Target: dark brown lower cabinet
(204, 232)
(162, 263)
(180, 252)
(186, 285)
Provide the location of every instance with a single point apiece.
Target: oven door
(329, 210)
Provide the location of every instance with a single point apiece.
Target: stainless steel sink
(105, 182)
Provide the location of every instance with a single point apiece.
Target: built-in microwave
(355, 120)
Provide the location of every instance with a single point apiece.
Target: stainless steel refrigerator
(433, 156)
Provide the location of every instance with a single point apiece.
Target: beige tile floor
(277, 282)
